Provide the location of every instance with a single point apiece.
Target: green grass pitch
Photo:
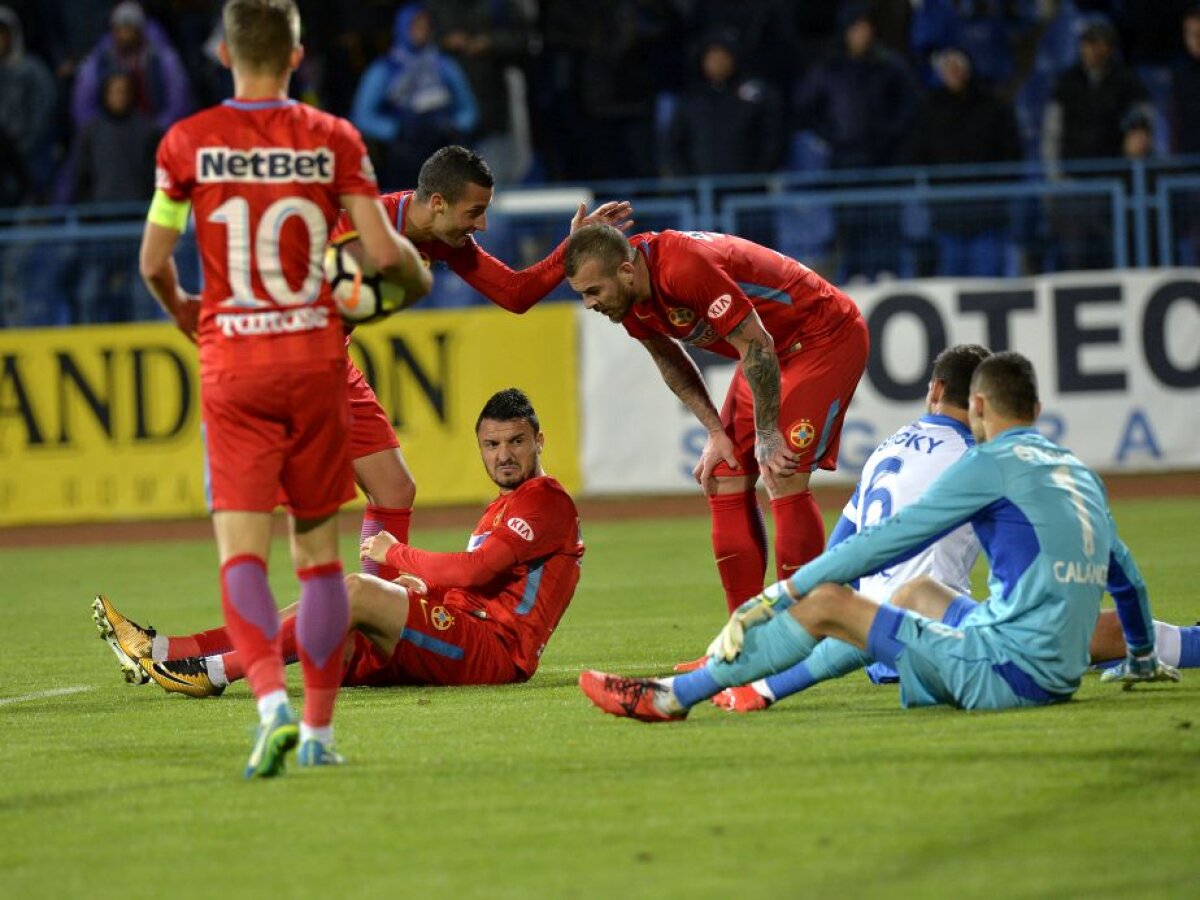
(527, 791)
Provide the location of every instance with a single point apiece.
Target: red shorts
(272, 437)
(370, 429)
(816, 386)
(442, 643)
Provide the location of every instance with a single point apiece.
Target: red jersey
(704, 284)
(509, 289)
(538, 522)
(264, 178)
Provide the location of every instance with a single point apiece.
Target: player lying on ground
(479, 617)
(273, 400)
(802, 347)
(899, 471)
(1043, 521)
(441, 218)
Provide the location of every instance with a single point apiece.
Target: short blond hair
(598, 241)
(261, 34)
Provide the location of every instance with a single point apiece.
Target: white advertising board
(1117, 356)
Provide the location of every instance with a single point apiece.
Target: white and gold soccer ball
(360, 294)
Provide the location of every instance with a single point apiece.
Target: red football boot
(632, 698)
(742, 699)
(690, 666)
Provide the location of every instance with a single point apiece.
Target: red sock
(380, 518)
(739, 540)
(321, 627)
(235, 671)
(253, 622)
(206, 643)
(799, 532)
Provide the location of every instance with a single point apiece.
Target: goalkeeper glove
(758, 609)
(1140, 668)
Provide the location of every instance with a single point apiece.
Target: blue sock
(1189, 647)
(768, 648)
(791, 681)
(831, 659)
(695, 686)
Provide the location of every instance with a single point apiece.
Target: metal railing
(64, 265)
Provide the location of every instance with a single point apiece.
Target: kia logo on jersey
(720, 306)
(521, 527)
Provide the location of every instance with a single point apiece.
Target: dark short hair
(262, 34)
(598, 241)
(506, 405)
(448, 172)
(1008, 381)
(954, 367)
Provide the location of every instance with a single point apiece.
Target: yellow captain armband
(168, 213)
(344, 238)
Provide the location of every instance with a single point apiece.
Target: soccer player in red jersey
(802, 344)
(266, 177)
(479, 617)
(454, 190)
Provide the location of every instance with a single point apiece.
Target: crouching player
(1042, 519)
(478, 617)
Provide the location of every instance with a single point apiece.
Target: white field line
(42, 695)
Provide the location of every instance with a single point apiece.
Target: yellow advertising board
(103, 423)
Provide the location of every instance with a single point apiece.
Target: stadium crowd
(676, 87)
(530, 82)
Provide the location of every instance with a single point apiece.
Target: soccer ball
(360, 294)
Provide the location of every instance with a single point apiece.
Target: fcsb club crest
(680, 316)
(441, 618)
(801, 434)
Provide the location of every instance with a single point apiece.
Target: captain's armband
(168, 213)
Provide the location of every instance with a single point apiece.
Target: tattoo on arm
(761, 368)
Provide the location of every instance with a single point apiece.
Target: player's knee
(907, 596)
(356, 585)
(820, 606)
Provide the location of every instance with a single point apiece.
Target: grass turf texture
(528, 791)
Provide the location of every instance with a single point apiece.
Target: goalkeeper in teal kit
(1043, 521)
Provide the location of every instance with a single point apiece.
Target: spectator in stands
(113, 163)
(962, 122)
(861, 103)
(414, 100)
(604, 65)
(1185, 88)
(27, 100)
(1083, 120)
(114, 153)
(140, 48)
(772, 36)
(491, 40)
(750, 135)
(1185, 121)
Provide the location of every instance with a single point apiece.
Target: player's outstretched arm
(388, 252)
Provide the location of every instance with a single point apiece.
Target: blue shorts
(958, 610)
(941, 664)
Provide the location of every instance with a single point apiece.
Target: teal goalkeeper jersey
(1043, 522)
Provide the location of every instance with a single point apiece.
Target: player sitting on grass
(899, 471)
(479, 617)
(1042, 518)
